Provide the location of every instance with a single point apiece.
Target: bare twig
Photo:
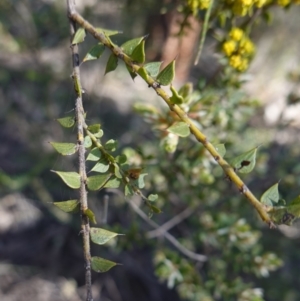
(171, 223)
(227, 168)
(79, 112)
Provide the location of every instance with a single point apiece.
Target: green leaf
(143, 73)
(220, 148)
(138, 54)
(186, 90)
(71, 206)
(153, 68)
(97, 182)
(166, 76)
(94, 53)
(153, 208)
(114, 182)
(140, 180)
(64, 149)
(128, 190)
(152, 197)
(91, 215)
(66, 122)
(169, 143)
(79, 36)
(94, 128)
(131, 72)
(144, 108)
(108, 32)
(179, 128)
(270, 196)
(129, 46)
(101, 265)
(101, 236)
(175, 98)
(87, 142)
(245, 162)
(117, 171)
(122, 159)
(111, 145)
(72, 179)
(101, 166)
(94, 155)
(112, 63)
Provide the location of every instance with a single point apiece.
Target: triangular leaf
(94, 155)
(79, 36)
(71, 206)
(94, 53)
(91, 215)
(245, 162)
(179, 128)
(166, 76)
(97, 182)
(132, 73)
(101, 166)
(114, 182)
(72, 179)
(64, 149)
(153, 68)
(108, 32)
(220, 148)
(101, 236)
(130, 45)
(270, 196)
(101, 265)
(112, 63)
(176, 98)
(66, 122)
(138, 54)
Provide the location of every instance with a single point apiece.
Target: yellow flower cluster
(287, 2)
(243, 7)
(239, 49)
(196, 5)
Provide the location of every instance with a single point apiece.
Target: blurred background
(40, 247)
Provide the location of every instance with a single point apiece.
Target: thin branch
(168, 236)
(171, 223)
(227, 168)
(79, 112)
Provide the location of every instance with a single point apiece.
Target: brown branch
(79, 114)
(227, 168)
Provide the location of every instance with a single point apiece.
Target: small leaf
(179, 128)
(112, 63)
(113, 183)
(72, 179)
(138, 54)
(79, 36)
(111, 145)
(101, 265)
(140, 180)
(169, 143)
(108, 32)
(87, 142)
(186, 90)
(143, 73)
(152, 197)
(153, 208)
(270, 196)
(91, 215)
(101, 166)
(245, 162)
(128, 190)
(117, 171)
(64, 149)
(176, 98)
(220, 148)
(94, 155)
(122, 159)
(129, 46)
(99, 134)
(153, 68)
(94, 128)
(71, 206)
(66, 122)
(100, 236)
(97, 182)
(166, 76)
(94, 53)
(145, 108)
(131, 72)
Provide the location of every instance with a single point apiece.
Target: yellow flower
(229, 47)
(236, 33)
(260, 3)
(283, 2)
(235, 61)
(246, 47)
(246, 2)
(239, 9)
(243, 65)
(204, 4)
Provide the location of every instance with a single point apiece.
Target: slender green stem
(229, 171)
(79, 112)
